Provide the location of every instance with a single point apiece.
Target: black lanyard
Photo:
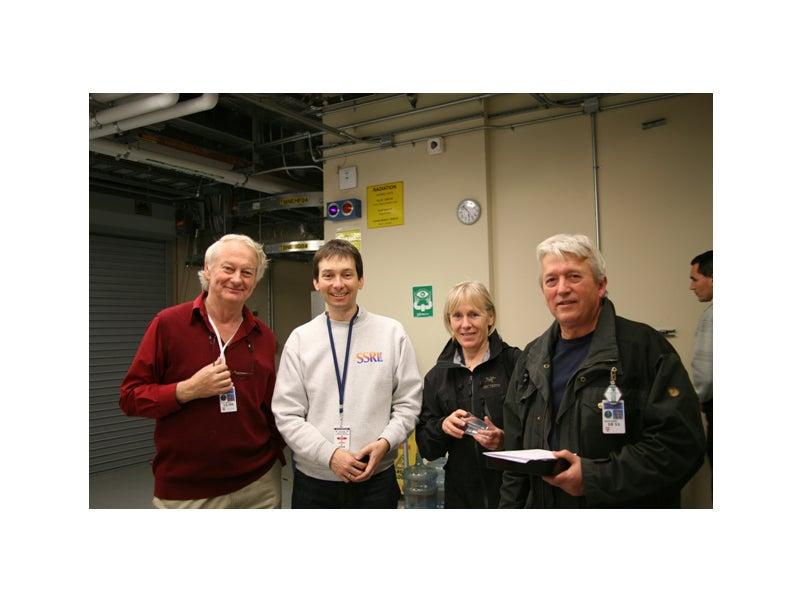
(341, 382)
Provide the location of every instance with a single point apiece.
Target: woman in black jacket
(468, 381)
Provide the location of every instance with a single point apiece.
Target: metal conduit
(595, 177)
(641, 101)
(353, 104)
(465, 131)
(442, 105)
(132, 153)
(294, 138)
(148, 194)
(268, 105)
(504, 127)
(287, 168)
(427, 126)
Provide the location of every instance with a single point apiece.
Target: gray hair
(574, 244)
(214, 249)
(471, 292)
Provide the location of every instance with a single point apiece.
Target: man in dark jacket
(609, 395)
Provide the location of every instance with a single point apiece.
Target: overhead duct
(204, 102)
(132, 153)
(109, 97)
(268, 105)
(147, 103)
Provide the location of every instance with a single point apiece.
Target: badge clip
(613, 416)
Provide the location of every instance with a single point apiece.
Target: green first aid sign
(422, 302)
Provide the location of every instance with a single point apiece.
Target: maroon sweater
(201, 452)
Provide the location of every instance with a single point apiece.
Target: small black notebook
(535, 461)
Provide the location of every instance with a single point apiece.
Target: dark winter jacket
(449, 386)
(647, 466)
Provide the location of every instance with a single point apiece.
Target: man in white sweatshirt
(348, 391)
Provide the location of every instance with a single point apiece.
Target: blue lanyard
(341, 382)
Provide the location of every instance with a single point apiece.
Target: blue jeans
(380, 491)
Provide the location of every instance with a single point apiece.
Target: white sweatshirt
(382, 390)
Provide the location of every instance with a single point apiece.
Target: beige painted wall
(431, 248)
(655, 191)
(541, 185)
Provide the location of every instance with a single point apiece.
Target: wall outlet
(347, 177)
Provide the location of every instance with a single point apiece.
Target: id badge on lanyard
(342, 434)
(228, 400)
(342, 437)
(613, 414)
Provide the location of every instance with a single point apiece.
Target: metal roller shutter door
(127, 287)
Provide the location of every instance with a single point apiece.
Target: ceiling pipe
(204, 102)
(147, 104)
(595, 165)
(351, 104)
(149, 194)
(268, 105)
(509, 126)
(131, 153)
(109, 97)
(415, 111)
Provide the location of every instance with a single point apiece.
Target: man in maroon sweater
(205, 370)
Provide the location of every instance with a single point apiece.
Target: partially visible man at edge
(205, 370)
(702, 363)
(609, 395)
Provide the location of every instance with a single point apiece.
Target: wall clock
(468, 211)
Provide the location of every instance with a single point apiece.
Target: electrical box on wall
(347, 177)
(344, 209)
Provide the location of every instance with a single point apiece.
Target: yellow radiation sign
(386, 205)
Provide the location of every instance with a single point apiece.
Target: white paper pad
(523, 456)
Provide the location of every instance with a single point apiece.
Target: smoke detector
(435, 145)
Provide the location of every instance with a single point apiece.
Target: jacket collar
(603, 348)
(604, 344)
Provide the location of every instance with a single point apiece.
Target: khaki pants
(265, 492)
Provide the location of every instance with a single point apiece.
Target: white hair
(574, 244)
(214, 249)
